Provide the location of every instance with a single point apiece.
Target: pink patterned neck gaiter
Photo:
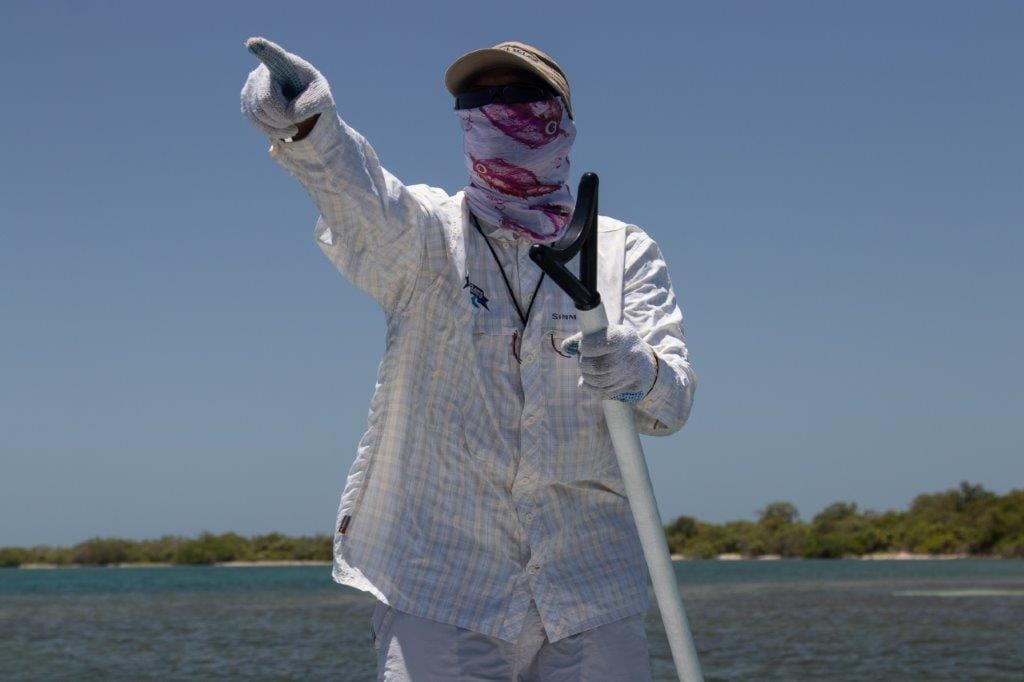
(518, 161)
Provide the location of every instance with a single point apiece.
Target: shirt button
(530, 358)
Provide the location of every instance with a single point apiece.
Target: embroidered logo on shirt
(476, 294)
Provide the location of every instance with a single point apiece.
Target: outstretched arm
(371, 226)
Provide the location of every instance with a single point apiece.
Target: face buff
(518, 161)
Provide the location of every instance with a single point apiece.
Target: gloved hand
(616, 363)
(282, 91)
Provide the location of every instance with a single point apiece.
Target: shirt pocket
(493, 325)
(552, 343)
(557, 328)
(497, 339)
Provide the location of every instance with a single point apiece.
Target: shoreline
(269, 563)
(279, 563)
(876, 556)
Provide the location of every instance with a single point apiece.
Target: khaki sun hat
(510, 54)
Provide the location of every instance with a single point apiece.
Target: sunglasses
(512, 93)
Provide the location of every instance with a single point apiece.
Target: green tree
(778, 515)
(102, 551)
(781, 530)
(680, 532)
(840, 530)
(209, 548)
(12, 557)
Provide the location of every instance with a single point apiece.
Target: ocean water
(780, 620)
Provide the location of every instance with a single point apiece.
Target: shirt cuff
(309, 148)
(660, 392)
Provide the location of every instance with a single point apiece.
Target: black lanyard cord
(522, 317)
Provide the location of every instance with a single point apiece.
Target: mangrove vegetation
(968, 521)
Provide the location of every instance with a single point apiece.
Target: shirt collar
(496, 232)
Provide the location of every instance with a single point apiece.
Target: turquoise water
(781, 620)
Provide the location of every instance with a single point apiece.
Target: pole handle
(580, 237)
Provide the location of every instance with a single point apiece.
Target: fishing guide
(485, 509)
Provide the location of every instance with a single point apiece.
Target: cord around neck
(523, 317)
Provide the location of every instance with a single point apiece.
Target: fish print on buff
(508, 179)
(518, 161)
(533, 123)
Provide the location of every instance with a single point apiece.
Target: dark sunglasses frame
(512, 93)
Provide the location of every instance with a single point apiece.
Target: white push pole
(637, 481)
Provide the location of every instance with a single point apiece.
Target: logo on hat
(520, 51)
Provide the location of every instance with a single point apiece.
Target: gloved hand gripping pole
(581, 237)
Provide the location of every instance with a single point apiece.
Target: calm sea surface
(781, 620)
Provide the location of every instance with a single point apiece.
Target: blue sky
(838, 190)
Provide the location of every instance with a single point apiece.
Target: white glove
(282, 91)
(616, 362)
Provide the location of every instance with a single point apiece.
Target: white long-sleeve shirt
(486, 477)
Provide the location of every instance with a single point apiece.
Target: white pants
(413, 649)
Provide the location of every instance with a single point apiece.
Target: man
(484, 509)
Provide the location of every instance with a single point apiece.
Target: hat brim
(478, 61)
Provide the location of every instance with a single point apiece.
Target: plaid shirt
(486, 477)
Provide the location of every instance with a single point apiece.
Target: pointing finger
(280, 64)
